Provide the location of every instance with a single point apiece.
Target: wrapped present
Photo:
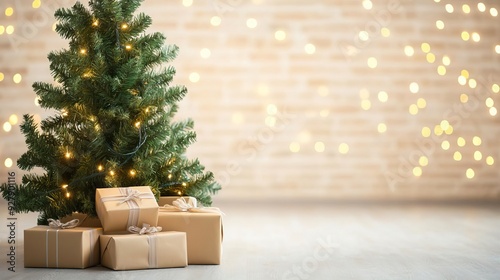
(120, 208)
(203, 228)
(147, 249)
(61, 245)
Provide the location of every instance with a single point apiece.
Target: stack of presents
(132, 232)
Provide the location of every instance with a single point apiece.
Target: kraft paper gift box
(134, 251)
(203, 228)
(61, 248)
(120, 208)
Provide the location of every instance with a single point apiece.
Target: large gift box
(134, 251)
(203, 228)
(61, 248)
(120, 208)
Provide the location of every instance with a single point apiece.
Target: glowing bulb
(68, 195)
(440, 24)
(64, 186)
(441, 70)
(462, 80)
(137, 124)
(2, 76)
(386, 32)
(466, 8)
(169, 176)
(476, 37)
(83, 51)
(383, 96)
(7, 127)
(8, 162)
(215, 21)
(67, 155)
(446, 60)
(310, 48)
(417, 171)
(13, 119)
(179, 193)
(132, 172)
(445, 145)
(489, 102)
(423, 161)
(426, 132)
(409, 51)
(472, 83)
(112, 173)
(184, 184)
(490, 160)
(495, 88)
(17, 78)
(414, 88)
(457, 156)
(413, 109)
(100, 168)
(205, 53)
(425, 47)
(421, 103)
(251, 23)
(465, 36)
(444, 124)
(481, 7)
(9, 29)
(493, 111)
(382, 128)
(430, 57)
(280, 35)
(464, 98)
(124, 26)
(36, 4)
(363, 35)
(366, 104)
(9, 11)
(478, 155)
(128, 47)
(460, 141)
(470, 173)
(367, 4)
(343, 148)
(372, 62)
(493, 12)
(319, 147)
(95, 23)
(449, 8)
(476, 140)
(187, 3)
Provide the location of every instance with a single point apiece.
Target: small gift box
(58, 246)
(148, 249)
(203, 228)
(120, 208)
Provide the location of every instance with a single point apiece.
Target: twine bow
(146, 229)
(134, 195)
(57, 224)
(181, 205)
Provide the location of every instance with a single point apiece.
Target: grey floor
(325, 241)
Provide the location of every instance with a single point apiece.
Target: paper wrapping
(116, 215)
(61, 248)
(134, 251)
(203, 233)
(169, 199)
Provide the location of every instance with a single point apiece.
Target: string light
(137, 124)
(68, 195)
(112, 173)
(67, 155)
(132, 172)
(95, 23)
(128, 47)
(184, 184)
(100, 168)
(64, 186)
(169, 176)
(124, 26)
(83, 51)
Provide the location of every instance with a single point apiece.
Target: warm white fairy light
(215, 21)
(7, 127)
(8, 162)
(100, 167)
(251, 23)
(481, 7)
(124, 26)
(280, 35)
(310, 48)
(409, 51)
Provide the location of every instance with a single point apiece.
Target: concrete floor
(325, 241)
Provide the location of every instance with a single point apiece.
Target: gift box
(203, 228)
(61, 248)
(134, 251)
(120, 208)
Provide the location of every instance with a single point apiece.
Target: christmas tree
(114, 126)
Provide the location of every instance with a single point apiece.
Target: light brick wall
(258, 97)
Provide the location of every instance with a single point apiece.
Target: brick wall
(322, 99)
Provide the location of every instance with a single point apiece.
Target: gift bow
(146, 229)
(57, 224)
(181, 205)
(134, 195)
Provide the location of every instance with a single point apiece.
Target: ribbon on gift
(57, 224)
(132, 198)
(146, 229)
(181, 205)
